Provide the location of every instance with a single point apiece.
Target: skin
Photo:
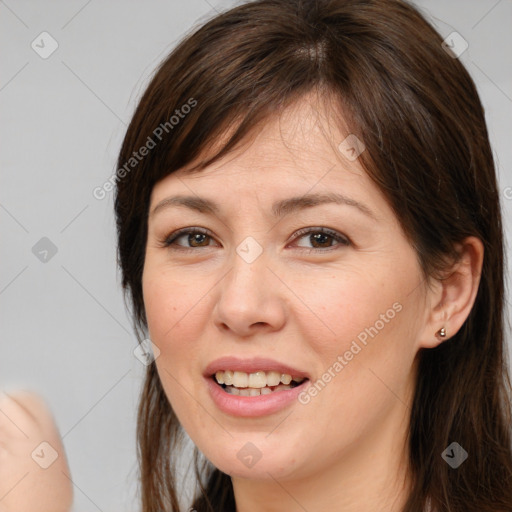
(346, 449)
(25, 486)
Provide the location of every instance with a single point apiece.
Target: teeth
(273, 378)
(256, 380)
(255, 391)
(285, 378)
(240, 379)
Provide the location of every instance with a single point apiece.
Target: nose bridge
(247, 275)
(247, 296)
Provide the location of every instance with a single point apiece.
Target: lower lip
(251, 406)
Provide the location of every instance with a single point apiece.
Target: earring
(441, 333)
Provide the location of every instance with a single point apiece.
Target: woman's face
(285, 281)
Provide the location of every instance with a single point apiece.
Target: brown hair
(418, 112)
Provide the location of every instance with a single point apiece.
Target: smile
(252, 387)
(256, 383)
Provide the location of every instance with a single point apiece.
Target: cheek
(172, 303)
(366, 363)
(361, 327)
(173, 309)
(175, 315)
(354, 304)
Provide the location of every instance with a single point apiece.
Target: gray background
(64, 330)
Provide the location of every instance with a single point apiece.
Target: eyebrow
(280, 208)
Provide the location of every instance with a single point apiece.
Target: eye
(320, 239)
(196, 237)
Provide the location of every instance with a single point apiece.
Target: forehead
(304, 144)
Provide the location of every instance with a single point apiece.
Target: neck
(371, 475)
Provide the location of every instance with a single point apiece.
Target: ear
(451, 298)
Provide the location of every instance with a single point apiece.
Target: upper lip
(251, 365)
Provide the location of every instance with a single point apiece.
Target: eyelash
(169, 241)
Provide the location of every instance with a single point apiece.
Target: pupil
(320, 238)
(194, 238)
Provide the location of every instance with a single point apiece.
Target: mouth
(256, 383)
(254, 387)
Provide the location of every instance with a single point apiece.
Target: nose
(249, 299)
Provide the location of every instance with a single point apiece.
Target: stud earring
(442, 332)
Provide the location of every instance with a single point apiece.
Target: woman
(309, 232)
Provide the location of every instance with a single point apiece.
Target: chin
(256, 460)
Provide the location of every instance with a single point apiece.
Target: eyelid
(169, 239)
(341, 238)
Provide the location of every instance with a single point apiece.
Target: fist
(34, 474)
